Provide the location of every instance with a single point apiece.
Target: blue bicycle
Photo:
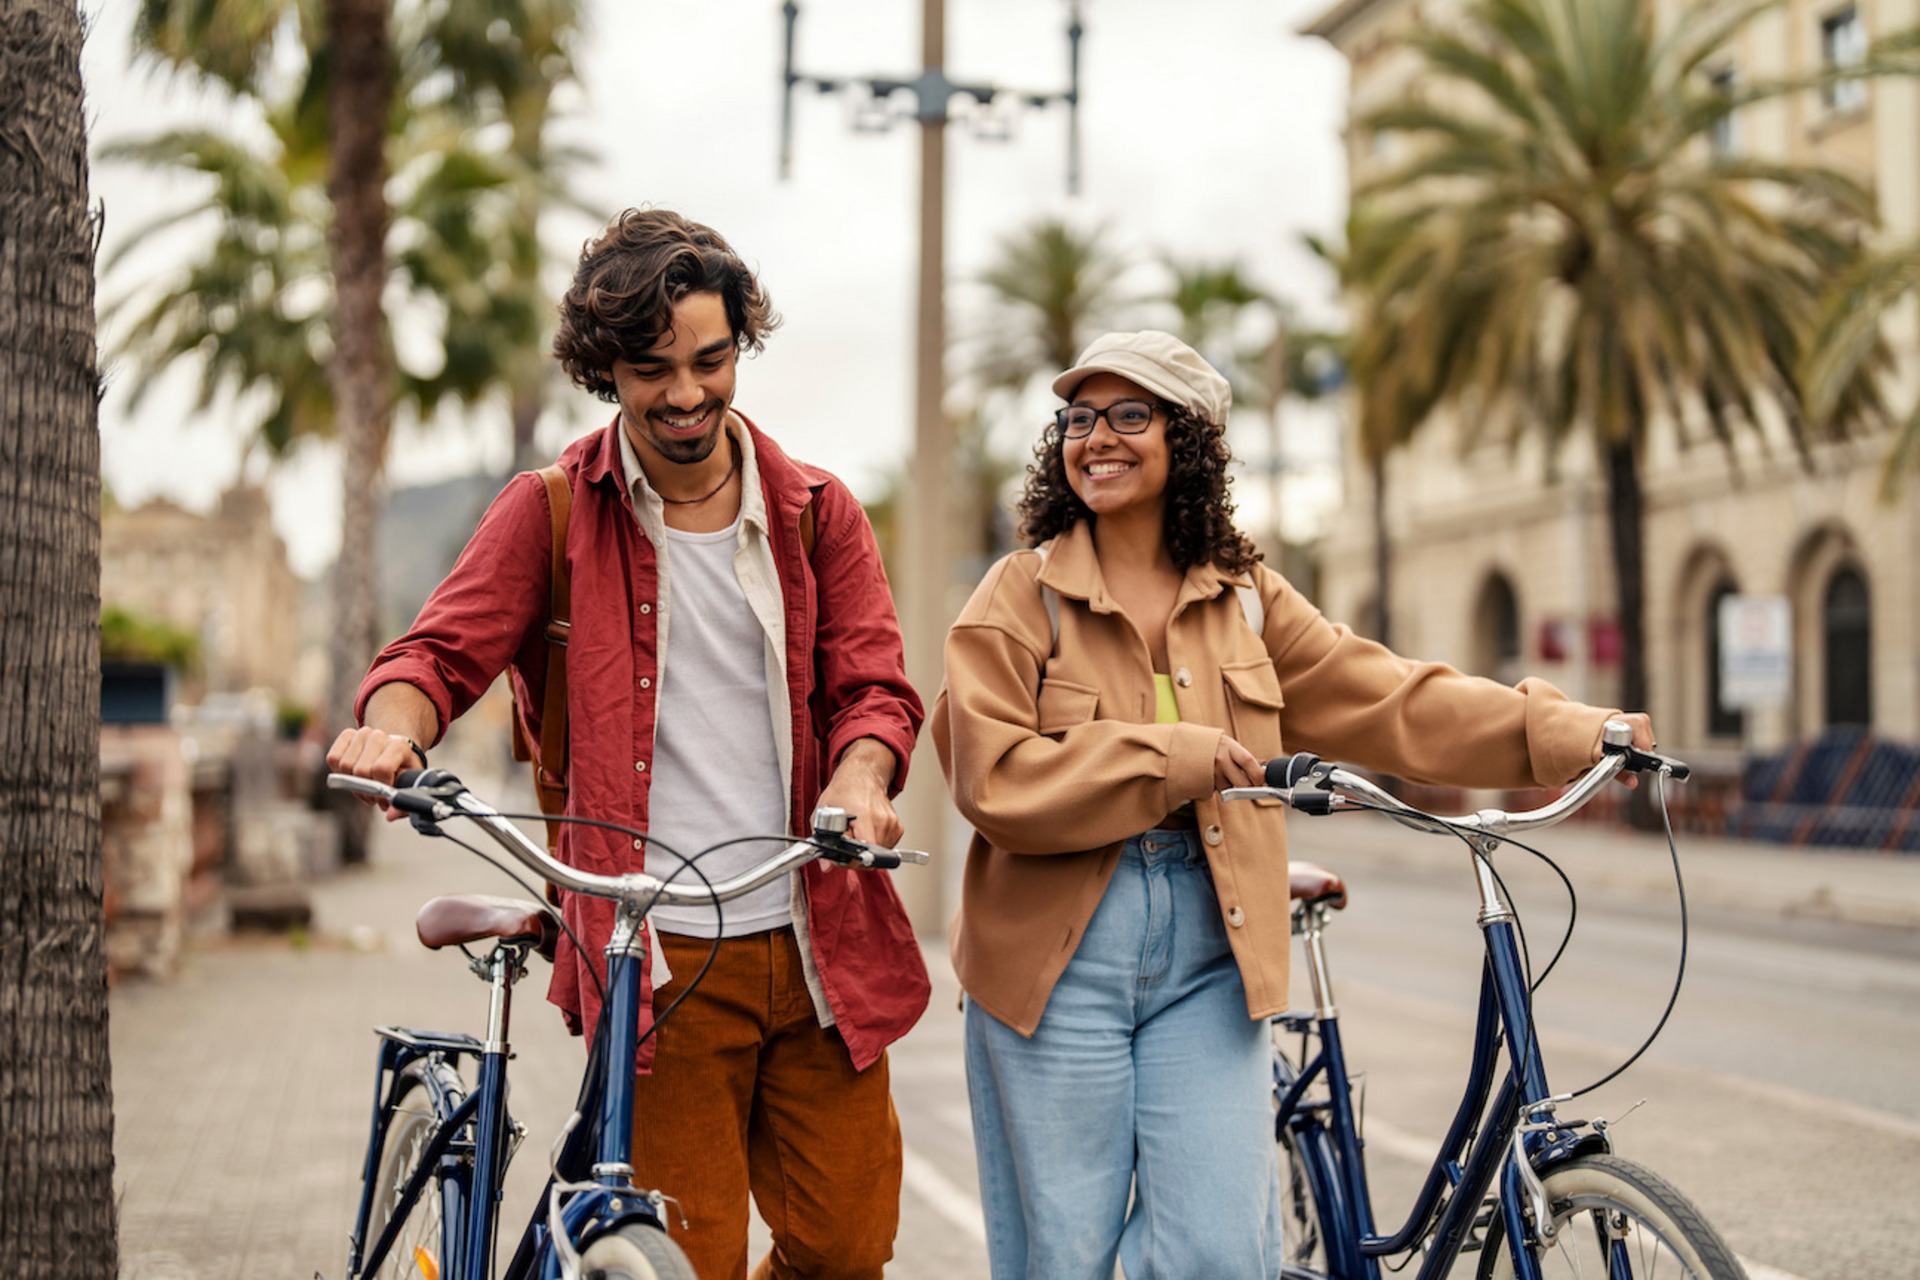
(439, 1143)
(1533, 1195)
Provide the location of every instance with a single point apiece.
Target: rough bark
(56, 1085)
(1626, 523)
(1382, 556)
(361, 371)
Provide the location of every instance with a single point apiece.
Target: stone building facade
(1499, 561)
(223, 577)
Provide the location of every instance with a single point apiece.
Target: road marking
(1383, 1135)
(955, 1205)
(1761, 1271)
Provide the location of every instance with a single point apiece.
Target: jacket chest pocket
(1063, 704)
(1253, 706)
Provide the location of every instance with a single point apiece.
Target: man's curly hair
(1199, 517)
(629, 280)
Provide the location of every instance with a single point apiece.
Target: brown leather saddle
(1316, 884)
(469, 917)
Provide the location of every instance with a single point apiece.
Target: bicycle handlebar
(1311, 785)
(432, 796)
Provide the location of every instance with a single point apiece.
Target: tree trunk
(527, 370)
(56, 1085)
(361, 371)
(1382, 555)
(1626, 525)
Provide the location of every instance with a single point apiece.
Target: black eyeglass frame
(1153, 407)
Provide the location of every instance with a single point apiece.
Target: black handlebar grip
(1285, 771)
(409, 777)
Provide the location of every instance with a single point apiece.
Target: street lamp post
(925, 566)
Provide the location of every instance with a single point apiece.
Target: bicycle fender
(1565, 1145)
(590, 1215)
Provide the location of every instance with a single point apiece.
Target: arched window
(1848, 620)
(1496, 630)
(1722, 721)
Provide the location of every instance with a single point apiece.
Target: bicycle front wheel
(635, 1253)
(1614, 1219)
(418, 1250)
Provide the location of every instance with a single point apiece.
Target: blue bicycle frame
(1325, 1136)
(468, 1148)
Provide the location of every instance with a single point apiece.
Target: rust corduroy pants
(749, 1092)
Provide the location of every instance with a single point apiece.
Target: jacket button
(645, 683)
(1236, 917)
(639, 766)
(1213, 834)
(1183, 677)
(639, 844)
(646, 608)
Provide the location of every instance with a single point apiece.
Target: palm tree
(405, 104)
(56, 1087)
(360, 75)
(254, 311)
(1208, 298)
(1848, 345)
(507, 59)
(1051, 288)
(1562, 252)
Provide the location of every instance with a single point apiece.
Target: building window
(1848, 621)
(1843, 44)
(1722, 721)
(1723, 139)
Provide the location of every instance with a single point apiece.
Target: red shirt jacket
(846, 681)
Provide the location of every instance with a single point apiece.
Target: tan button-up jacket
(1052, 754)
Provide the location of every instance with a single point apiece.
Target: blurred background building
(1499, 560)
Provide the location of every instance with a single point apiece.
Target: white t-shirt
(716, 768)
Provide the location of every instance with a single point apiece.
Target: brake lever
(830, 827)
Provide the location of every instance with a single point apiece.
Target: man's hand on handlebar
(367, 752)
(859, 785)
(397, 716)
(1642, 725)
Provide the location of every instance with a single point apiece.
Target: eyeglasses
(1128, 417)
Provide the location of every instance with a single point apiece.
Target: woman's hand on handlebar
(1235, 766)
(1642, 739)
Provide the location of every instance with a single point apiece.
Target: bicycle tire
(420, 1251)
(1663, 1234)
(635, 1252)
(1302, 1240)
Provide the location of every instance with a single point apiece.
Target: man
(732, 641)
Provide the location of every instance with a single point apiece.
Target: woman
(1123, 935)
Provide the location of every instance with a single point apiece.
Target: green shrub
(128, 637)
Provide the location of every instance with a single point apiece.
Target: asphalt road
(1783, 1096)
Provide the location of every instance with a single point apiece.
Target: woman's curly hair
(1199, 518)
(629, 280)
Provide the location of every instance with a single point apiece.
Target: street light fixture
(925, 562)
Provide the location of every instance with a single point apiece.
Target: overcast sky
(1210, 130)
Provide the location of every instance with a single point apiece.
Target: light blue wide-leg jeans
(1136, 1122)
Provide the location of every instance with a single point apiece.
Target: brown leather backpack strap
(806, 529)
(550, 775)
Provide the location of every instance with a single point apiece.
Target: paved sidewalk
(243, 1086)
